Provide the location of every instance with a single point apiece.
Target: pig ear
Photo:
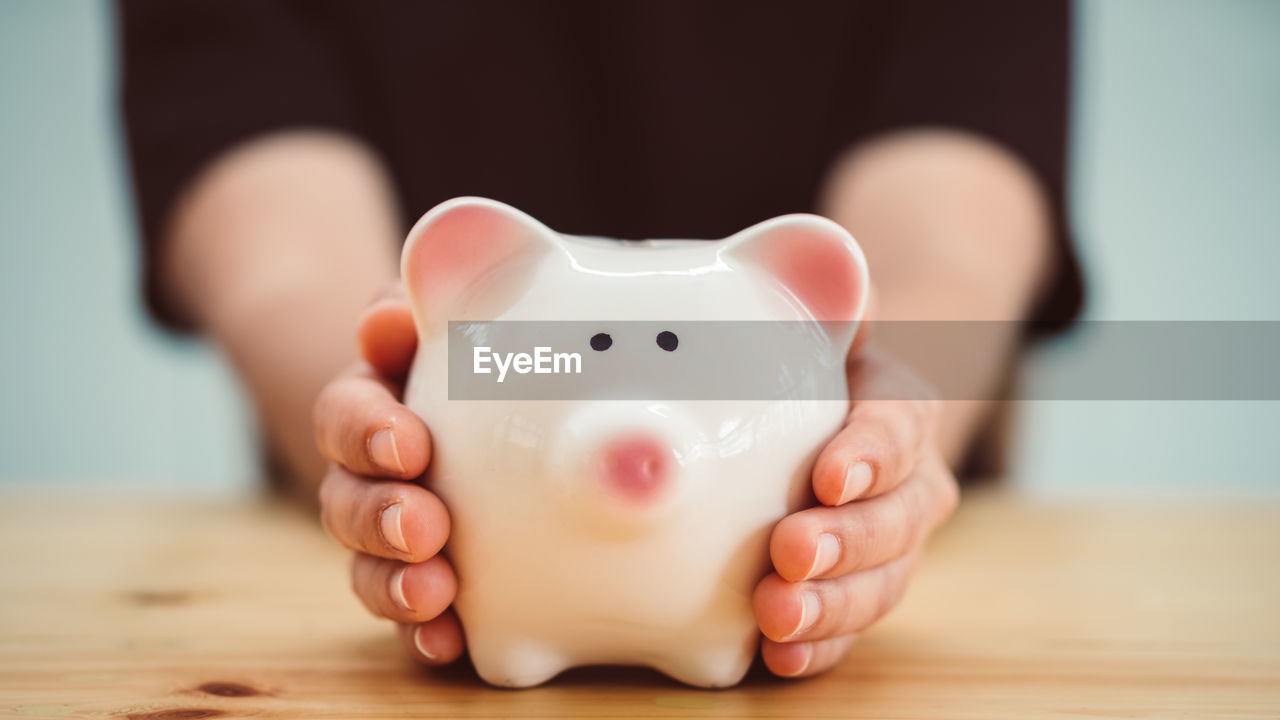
(816, 260)
(460, 241)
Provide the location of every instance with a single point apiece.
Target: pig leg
(710, 664)
(515, 662)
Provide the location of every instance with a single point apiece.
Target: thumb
(386, 335)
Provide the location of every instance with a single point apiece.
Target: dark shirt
(664, 118)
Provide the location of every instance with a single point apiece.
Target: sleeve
(200, 76)
(998, 68)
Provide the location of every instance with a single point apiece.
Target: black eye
(601, 342)
(667, 340)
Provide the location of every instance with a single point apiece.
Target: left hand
(883, 486)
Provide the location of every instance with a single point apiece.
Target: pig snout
(622, 466)
(634, 467)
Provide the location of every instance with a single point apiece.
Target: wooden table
(179, 609)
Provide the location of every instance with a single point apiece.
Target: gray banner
(658, 360)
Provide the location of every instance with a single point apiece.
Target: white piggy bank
(627, 530)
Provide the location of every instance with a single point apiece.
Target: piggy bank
(623, 527)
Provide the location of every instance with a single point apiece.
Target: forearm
(954, 228)
(274, 252)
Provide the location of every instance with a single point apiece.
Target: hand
(879, 516)
(369, 500)
(883, 487)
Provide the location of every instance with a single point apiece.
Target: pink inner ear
(817, 268)
(464, 242)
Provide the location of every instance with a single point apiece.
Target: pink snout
(635, 467)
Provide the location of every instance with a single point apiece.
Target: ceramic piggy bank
(625, 527)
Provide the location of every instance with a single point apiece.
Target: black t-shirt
(663, 118)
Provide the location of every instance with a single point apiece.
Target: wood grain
(165, 610)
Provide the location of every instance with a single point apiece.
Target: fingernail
(392, 530)
(397, 589)
(422, 648)
(807, 650)
(856, 481)
(810, 608)
(825, 557)
(383, 450)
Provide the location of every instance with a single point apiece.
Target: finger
(801, 659)
(874, 452)
(387, 336)
(361, 426)
(386, 518)
(821, 609)
(404, 592)
(824, 542)
(435, 642)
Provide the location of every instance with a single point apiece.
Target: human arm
(274, 251)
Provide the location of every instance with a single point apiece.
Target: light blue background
(1175, 197)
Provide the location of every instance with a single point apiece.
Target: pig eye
(668, 341)
(601, 342)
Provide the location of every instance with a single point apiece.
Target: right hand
(370, 501)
